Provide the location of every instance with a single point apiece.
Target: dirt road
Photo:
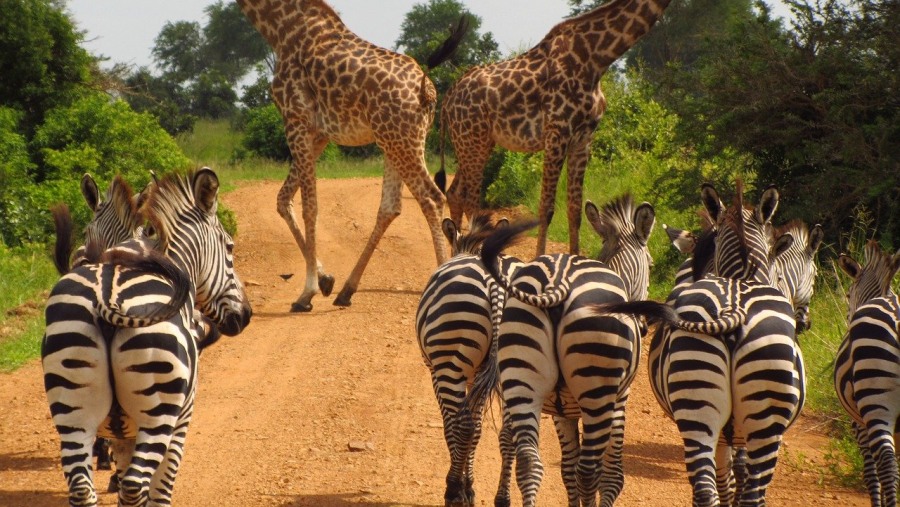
(280, 405)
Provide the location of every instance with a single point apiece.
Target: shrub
(103, 137)
(519, 175)
(264, 133)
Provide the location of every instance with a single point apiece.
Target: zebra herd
(561, 335)
(125, 326)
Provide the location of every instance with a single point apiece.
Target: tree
(814, 105)
(231, 44)
(161, 97)
(427, 25)
(41, 63)
(177, 50)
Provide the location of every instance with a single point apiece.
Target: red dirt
(279, 405)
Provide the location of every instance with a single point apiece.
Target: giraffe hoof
(326, 284)
(304, 304)
(343, 299)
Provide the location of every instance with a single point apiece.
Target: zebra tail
(651, 310)
(728, 320)
(65, 244)
(503, 238)
(149, 261)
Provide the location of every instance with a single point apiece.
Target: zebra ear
(782, 244)
(816, 237)
(644, 219)
(849, 266)
(206, 190)
(711, 202)
(768, 203)
(90, 192)
(682, 240)
(450, 230)
(593, 216)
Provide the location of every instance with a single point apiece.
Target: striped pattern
(456, 323)
(136, 385)
(867, 368)
(744, 386)
(796, 268)
(556, 357)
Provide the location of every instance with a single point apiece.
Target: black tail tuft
(62, 251)
(440, 179)
(450, 45)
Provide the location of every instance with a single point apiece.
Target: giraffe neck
(608, 31)
(287, 24)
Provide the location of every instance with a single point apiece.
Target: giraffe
(331, 85)
(549, 99)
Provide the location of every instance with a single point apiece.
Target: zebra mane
(704, 251)
(796, 228)
(480, 228)
(616, 222)
(882, 265)
(121, 196)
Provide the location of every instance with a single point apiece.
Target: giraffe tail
(440, 177)
(448, 48)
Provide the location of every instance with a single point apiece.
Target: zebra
(555, 357)
(133, 379)
(725, 365)
(456, 323)
(796, 268)
(867, 368)
(114, 220)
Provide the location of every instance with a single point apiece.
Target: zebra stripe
(555, 357)
(796, 268)
(136, 385)
(867, 368)
(739, 389)
(456, 322)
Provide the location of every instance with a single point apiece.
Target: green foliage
(161, 97)
(24, 272)
(231, 45)
(41, 61)
(177, 50)
(14, 161)
(518, 177)
(104, 137)
(212, 95)
(264, 133)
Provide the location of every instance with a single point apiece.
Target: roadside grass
(25, 275)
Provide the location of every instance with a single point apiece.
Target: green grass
(25, 275)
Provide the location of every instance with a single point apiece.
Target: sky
(124, 30)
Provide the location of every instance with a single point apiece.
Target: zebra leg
(570, 445)
(725, 474)
(762, 458)
(163, 480)
(122, 450)
(870, 472)
(885, 460)
(612, 475)
(503, 497)
(101, 452)
(458, 428)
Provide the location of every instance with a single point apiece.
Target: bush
(264, 133)
(103, 137)
(519, 175)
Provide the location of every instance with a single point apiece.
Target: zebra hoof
(343, 299)
(113, 484)
(502, 501)
(326, 284)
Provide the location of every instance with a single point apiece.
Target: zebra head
(796, 267)
(742, 245)
(625, 231)
(872, 280)
(115, 218)
(181, 210)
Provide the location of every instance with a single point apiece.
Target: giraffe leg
(464, 194)
(554, 154)
(389, 209)
(304, 151)
(579, 154)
